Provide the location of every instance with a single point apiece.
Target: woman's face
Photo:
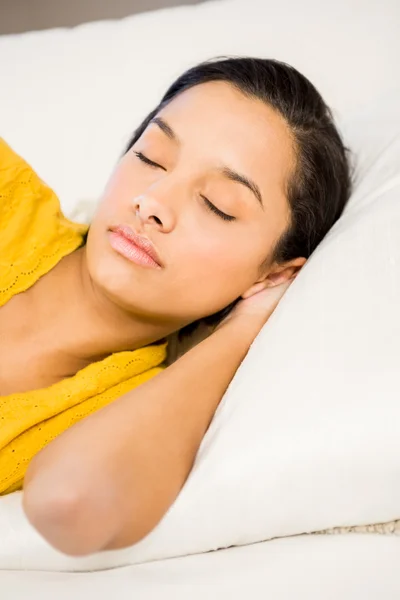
(211, 144)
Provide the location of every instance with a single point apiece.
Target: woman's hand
(259, 307)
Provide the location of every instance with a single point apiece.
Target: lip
(134, 247)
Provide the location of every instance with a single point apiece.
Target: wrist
(245, 325)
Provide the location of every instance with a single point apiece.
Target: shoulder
(22, 193)
(34, 234)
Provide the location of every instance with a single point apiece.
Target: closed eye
(216, 211)
(147, 161)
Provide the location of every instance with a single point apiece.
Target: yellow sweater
(34, 236)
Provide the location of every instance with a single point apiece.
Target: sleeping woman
(118, 341)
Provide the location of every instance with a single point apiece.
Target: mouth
(134, 247)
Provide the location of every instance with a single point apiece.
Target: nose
(154, 209)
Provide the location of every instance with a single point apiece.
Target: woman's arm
(106, 482)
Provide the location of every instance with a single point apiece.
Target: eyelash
(215, 210)
(207, 203)
(146, 160)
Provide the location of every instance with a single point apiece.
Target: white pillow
(307, 435)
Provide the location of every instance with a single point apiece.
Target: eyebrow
(225, 171)
(251, 185)
(169, 132)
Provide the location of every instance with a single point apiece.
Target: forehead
(220, 114)
(220, 105)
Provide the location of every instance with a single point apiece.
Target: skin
(109, 303)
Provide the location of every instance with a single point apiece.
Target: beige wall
(25, 15)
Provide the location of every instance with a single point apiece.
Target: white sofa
(320, 449)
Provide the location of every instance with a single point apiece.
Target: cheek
(212, 275)
(119, 192)
(222, 260)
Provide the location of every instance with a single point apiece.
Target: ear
(276, 275)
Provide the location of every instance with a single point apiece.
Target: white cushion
(307, 567)
(307, 435)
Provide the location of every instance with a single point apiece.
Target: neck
(84, 324)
